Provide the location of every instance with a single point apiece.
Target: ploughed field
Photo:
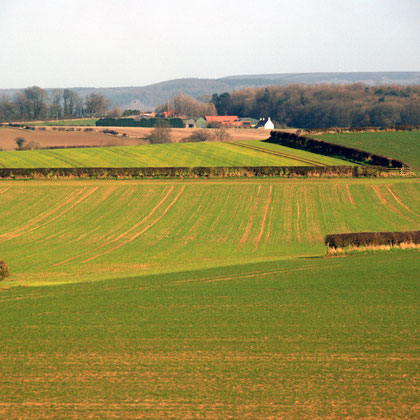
(249, 153)
(401, 145)
(206, 298)
(76, 135)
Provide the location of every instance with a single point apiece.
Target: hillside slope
(148, 97)
(67, 231)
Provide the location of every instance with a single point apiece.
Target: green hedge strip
(198, 172)
(143, 122)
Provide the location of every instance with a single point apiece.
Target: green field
(308, 338)
(89, 122)
(403, 145)
(206, 298)
(164, 155)
(70, 230)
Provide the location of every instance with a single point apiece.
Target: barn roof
(221, 118)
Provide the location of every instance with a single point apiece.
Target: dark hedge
(198, 172)
(340, 130)
(143, 122)
(333, 150)
(341, 240)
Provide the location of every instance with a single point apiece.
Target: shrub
(20, 141)
(221, 134)
(199, 135)
(31, 145)
(113, 132)
(162, 133)
(4, 270)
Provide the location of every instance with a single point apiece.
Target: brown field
(52, 138)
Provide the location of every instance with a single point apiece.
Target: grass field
(308, 338)
(206, 298)
(71, 230)
(404, 145)
(164, 155)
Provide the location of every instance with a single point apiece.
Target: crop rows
(164, 155)
(49, 230)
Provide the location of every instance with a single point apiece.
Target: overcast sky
(102, 43)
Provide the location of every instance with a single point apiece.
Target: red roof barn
(225, 120)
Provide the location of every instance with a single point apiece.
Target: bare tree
(221, 134)
(97, 104)
(56, 110)
(162, 133)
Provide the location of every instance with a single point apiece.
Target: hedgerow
(197, 172)
(143, 122)
(342, 240)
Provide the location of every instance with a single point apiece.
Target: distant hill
(148, 97)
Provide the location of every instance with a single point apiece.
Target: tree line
(185, 105)
(325, 105)
(35, 103)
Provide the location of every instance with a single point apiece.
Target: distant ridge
(148, 97)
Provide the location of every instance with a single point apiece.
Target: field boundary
(200, 172)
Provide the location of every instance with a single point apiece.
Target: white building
(269, 124)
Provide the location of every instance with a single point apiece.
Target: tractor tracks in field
(250, 222)
(307, 161)
(27, 228)
(127, 232)
(270, 194)
(390, 206)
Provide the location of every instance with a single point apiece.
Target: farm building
(190, 123)
(224, 120)
(248, 122)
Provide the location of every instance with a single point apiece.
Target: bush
(20, 141)
(113, 132)
(221, 134)
(160, 134)
(4, 270)
(31, 145)
(199, 135)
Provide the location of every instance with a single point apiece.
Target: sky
(106, 43)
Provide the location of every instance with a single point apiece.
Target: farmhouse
(266, 124)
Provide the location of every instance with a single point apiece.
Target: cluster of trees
(185, 105)
(325, 105)
(35, 103)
